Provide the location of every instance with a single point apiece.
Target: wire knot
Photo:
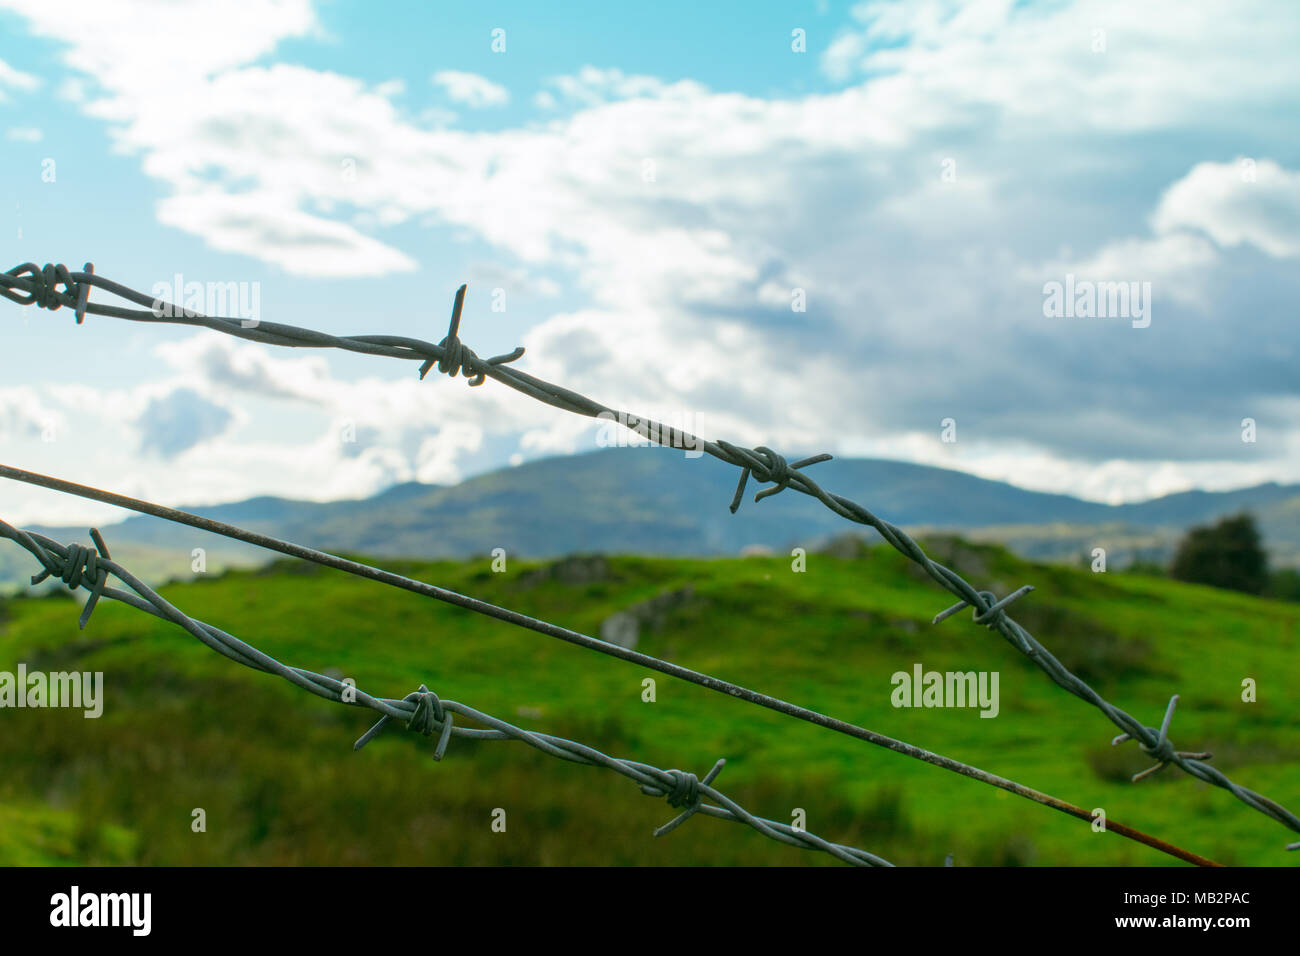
(686, 789)
(1163, 750)
(994, 616)
(765, 465)
(683, 794)
(774, 467)
(79, 566)
(457, 357)
(44, 287)
(429, 714)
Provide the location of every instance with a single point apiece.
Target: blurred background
(1026, 269)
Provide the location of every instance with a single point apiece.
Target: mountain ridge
(641, 500)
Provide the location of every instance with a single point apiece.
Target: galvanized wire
(603, 647)
(29, 284)
(422, 710)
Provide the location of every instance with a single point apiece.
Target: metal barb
(83, 293)
(983, 617)
(765, 465)
(457, 357)
(429, 713)
(76, 564)
(685, 793)
(1163, 751)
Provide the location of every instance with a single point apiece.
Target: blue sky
(648, 189)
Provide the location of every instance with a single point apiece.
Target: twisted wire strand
(31, 285)
(422, 711)
(590, 643)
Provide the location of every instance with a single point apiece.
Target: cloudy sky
(644, 199)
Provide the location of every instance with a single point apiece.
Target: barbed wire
(29, 284)
(602, 647)
(422, 710)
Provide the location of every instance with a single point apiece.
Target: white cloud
(917, 289)
(591, 86)
(174, 423)
(185, 41)
(421, 430)
(15, 79)
(263, 225)
(1235, 203)
(73, 89)
(471, 89)
(311, 435)
(24, 134)
(437, 461)
(556, 195)
(1176, 265)
(1113, 481)
(226, 367)
(23, 413)
(512, 281)
(844, 54)
(938, 61)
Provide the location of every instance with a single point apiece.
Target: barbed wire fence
(29, 284)
(422, 710)
(83, 558)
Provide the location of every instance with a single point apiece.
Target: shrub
(1284, 585)
(1225, 555)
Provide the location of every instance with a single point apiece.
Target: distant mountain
(653, 501)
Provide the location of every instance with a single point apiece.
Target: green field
(274, 770)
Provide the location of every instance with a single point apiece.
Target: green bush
(1225, 555)
(1284, 585)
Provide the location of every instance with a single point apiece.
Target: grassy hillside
(274, 770)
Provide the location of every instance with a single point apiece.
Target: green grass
(273, 769)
